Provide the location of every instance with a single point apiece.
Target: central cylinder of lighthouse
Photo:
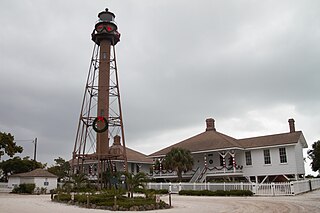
(103, 94)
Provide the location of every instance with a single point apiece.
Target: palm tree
(179, 160)
(135, 181)
(79, 180)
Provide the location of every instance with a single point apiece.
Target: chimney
(210, 124)
(291, 125)
(116, 140)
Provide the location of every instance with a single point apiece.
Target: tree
(179, 160)
(135, 181)
(61, 168)
(80, 180)
(8, 146)
(17, 165)
(314, 155)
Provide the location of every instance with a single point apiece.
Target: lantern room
(106, 28)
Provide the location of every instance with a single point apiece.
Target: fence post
(241, 185)
(292, 188)
(224, 186)
(310, 185)
(194, 186)
(161, 185)
(170, 188)
(254, 189)
(179, 186)
(273, 189)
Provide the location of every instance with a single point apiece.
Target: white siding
(27, 180)
(258, 167)
(198, 161)
(299, 158)
(13, 181)
(40, 182)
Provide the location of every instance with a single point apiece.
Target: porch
(225, 163)
(200, 174)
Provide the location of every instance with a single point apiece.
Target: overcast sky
(250, 65)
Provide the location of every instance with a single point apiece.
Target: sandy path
(309, 202)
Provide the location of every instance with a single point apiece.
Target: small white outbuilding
(40, 177)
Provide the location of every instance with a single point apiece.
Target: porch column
(205, 160)
(224, 163)
(160, 166)
(233, 155)
(223, 155)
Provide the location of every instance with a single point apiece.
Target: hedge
(105, 199)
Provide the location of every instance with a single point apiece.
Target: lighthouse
(100, 134)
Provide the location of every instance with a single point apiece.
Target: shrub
(62, 197)
(27, 188)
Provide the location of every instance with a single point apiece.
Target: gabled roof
(137, 157)
(271, 140)
(35, 173)
(208, 140)
(211, 140)
(132, 157)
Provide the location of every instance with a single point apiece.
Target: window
(283, 155)
(267, 158)
(248, 158)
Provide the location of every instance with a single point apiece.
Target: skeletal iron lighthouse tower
(100, 123)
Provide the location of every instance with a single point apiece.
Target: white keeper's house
(269, 158)
(40, 177)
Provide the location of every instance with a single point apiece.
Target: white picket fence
(265, 189)
(4, 187)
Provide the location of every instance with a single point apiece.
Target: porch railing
(195, 174)
(171, 173)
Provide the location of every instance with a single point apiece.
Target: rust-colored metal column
(103, 95)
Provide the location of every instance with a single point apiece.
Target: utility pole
(35, 149)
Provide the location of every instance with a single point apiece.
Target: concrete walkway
(309, 202)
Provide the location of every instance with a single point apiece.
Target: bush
(27, 188)
(216, 193)
(106, 198)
